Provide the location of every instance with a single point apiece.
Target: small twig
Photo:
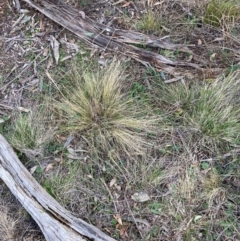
(54, 82)
(110, 194)
(134, 219)
(134, 6)
(18, 20)
(231, 153)
(6, 107)
(10, 73)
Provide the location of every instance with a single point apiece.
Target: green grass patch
(219, 12)
(209, 111)
(150, 23)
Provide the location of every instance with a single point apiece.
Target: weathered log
(125, 41)
(56, 223)
(117, 40)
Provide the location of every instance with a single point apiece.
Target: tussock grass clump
(222, 12)
(209, 111)
(96, 107)
(31, 132)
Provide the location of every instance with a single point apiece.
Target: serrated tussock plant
(96, 107)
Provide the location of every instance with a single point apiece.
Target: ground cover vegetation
(126, 147)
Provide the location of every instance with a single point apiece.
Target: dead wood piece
(56, 223)
(104, 37)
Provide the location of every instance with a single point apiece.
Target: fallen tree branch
(101, 36)
(56, 223)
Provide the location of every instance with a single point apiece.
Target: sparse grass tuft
(7, 224)
(31, 132)
(96, 107)
(149, 23)
(197, 207)
(222, 12)
(210, 112)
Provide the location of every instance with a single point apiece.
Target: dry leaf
(23, 109)
(140, 197)
(123, 229)
(213, 57)
(118, 187)
(33, 82)
(2, 120)
(55, 47)
(118, 218)
(68, 141)
(50, 62)
(112, 182)
(158, 3)
(33, 169)
(58, 159)
(83, 15)
(25, 80)
(126, 4)
(218, 39)
(45, 52)
(74, 157)
(61, 138)
(49, 167)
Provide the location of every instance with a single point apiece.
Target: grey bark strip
(56, 223)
